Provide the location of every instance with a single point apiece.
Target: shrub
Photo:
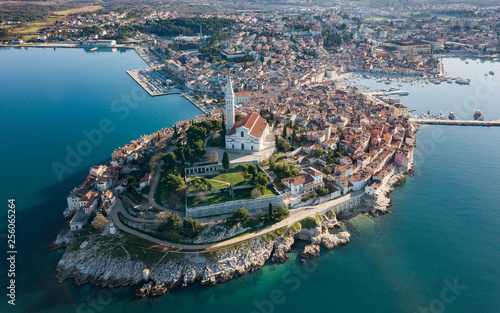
(308, 223)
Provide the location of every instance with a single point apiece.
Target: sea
(438, 249)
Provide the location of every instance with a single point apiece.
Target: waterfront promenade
(302, 214)
(455, 122)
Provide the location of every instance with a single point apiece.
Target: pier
(194, 102)
(455, 122)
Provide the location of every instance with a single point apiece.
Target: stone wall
(251, 205)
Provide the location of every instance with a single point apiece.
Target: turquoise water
(444, 224)
(461, 99)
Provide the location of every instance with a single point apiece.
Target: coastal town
(285, 142)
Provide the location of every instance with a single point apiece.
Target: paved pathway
(307, 211)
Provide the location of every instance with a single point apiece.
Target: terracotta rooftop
(255, 124)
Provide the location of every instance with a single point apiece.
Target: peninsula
(282, 150)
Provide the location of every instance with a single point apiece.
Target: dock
(455, 122)
(194, 102)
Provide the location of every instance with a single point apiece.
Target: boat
(449, 81)
(462, 81)
(478, 115)
(466, 62)
(93, 49)
(452, 116)
(404, 93)
(491, 72)
(387, 82)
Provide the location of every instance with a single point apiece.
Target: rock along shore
(104, 262)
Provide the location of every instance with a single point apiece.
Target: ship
(462, 81)
(478, 115)
(452, 116)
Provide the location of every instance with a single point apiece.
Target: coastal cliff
(108, 261)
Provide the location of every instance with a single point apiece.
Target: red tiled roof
(255, 124)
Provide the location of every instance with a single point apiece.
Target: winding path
(306, 212)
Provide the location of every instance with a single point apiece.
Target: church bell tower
(229, 98)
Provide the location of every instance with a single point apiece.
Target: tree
(270, 210)
(281, 213)
(255, 193)
(285, 135)
(173, 183)
(99, 221)
(174, 222)
(241, 215)
(191, 227)
(169, 160)
(318, 152)
(226, 162)
(212, 155)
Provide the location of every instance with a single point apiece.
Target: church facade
(246, 134)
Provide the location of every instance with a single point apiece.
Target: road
(306, 212)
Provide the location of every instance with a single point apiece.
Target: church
(247, 134)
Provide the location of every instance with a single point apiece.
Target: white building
(248, 133)
(310, 180)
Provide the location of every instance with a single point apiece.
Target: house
(104, 183)
(404, 157)
(308, 181)
(121, 186)
(78, 221)
(91, 205)
(359, 181)
(373, 188)
(241, 97)
(144, 182)
(87, 197)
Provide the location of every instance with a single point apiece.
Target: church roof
(255, 124)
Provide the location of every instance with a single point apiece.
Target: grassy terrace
(233, 177)
(224, 196)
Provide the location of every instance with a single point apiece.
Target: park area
(206, 190)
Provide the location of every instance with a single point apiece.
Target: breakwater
(456, 122)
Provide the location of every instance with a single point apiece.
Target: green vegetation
(330, 213)
(226, 162)
(280, 213)
(188, 26)
(295, 227)
(331, 39)
(239, 216)
(284, 170)
(252, 175)
(308, 223)
(318, 218)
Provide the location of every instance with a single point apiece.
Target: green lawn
(233, 176)
(221, 197)
(202, 184)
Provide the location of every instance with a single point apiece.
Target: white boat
(462, 81)
(404, 93)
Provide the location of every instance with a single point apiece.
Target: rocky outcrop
(310, 252)
(91, 264)
(111, 265)
(330, 241)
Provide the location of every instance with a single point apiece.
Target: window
(252, 147)
(242, 135)
(233, 146)
(242, 146)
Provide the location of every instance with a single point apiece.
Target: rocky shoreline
(93, 261)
